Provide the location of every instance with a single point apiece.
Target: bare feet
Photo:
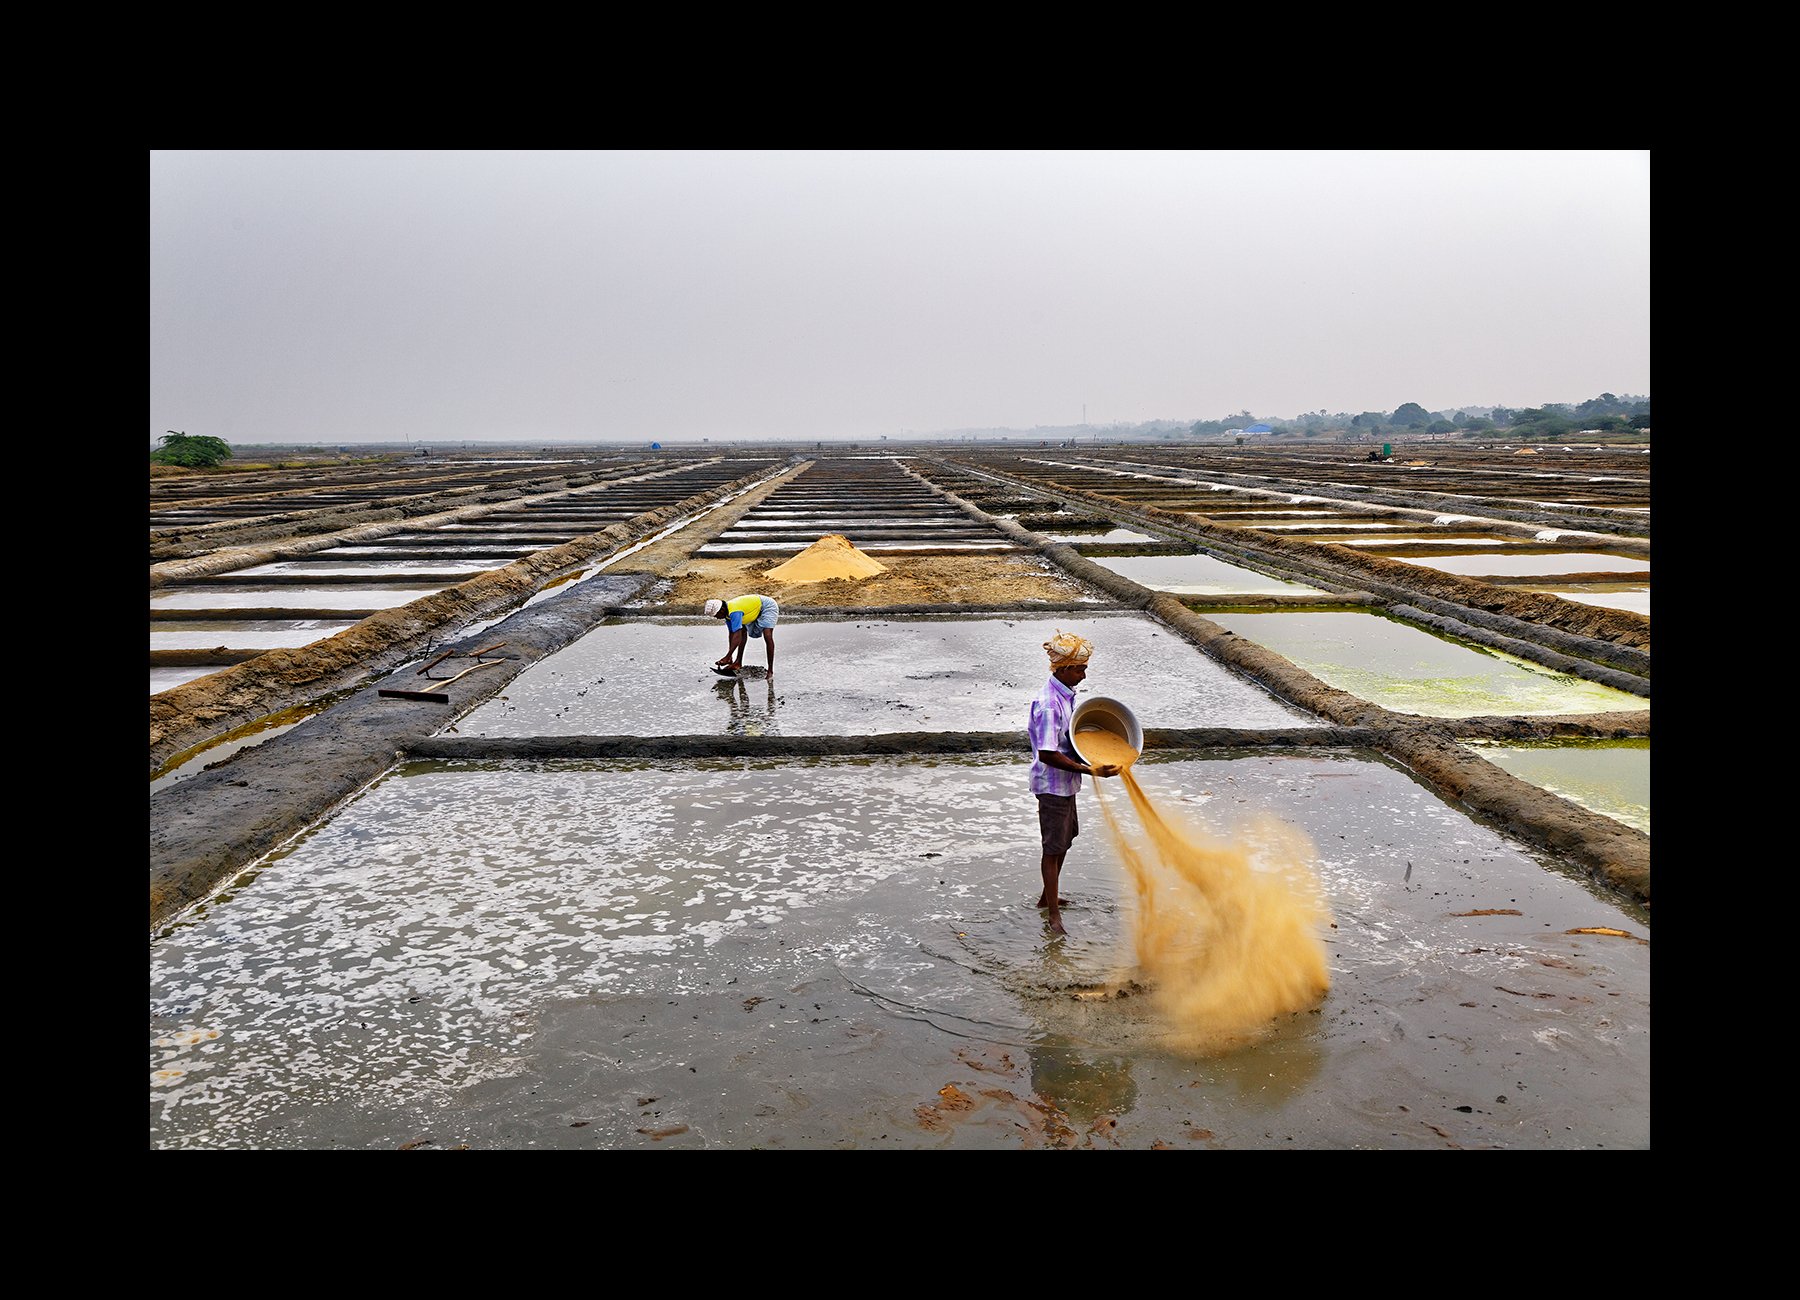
(1045, 902)
(1056, 925)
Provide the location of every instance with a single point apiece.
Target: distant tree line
(1604, 414)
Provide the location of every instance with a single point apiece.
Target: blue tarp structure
(1259, 428)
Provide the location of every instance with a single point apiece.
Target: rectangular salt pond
(450, 554)
(375, 568)
(1606, 595)
(1409, 669)
(850, 526)
(162, 679)
(1276, 528)
(1111, 535)
(1501, 565)
(650, 677)
(1376, 543)
(817, 955)
(320, 598)
(1198, 575)
(870, 548)
(248, 634)
(1610, 777)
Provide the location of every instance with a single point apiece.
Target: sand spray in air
(1229, 933)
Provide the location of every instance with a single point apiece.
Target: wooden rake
(441, 696)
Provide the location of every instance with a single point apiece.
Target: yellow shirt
(743, 611)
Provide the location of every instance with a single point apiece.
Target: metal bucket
(1109, 714)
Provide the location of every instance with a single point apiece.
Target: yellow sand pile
(832, 556)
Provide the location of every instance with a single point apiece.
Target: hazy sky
(675, 295)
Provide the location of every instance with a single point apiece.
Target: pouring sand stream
(1228, 937)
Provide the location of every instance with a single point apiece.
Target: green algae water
(1610, 777)
(1409, 669)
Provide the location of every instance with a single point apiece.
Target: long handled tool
(441, 697)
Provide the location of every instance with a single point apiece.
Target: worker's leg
(1057, 822)
(764, 627)
(1052, 905)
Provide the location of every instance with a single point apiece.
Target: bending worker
(745, 617)
(1056, 771)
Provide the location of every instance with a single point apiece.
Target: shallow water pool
(1610, 777)
(1198, 575)
(1409, 669)
(319, 598)
(1505, 565)
(1626, 596)
(246, 634)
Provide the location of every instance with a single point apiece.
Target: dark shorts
(1057, 821)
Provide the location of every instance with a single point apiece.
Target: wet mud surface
(843, 954)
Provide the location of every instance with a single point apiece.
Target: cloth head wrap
(1065, 649)
(713, 607)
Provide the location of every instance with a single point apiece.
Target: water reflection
(1086, 1084)
(751, 713)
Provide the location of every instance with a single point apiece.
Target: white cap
(713, 607)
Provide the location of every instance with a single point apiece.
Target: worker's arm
(1053, 758)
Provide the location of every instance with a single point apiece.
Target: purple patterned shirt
(1051, 713)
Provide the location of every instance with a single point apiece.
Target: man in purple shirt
(1056, 771)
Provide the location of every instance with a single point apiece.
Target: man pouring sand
(1056, 770)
